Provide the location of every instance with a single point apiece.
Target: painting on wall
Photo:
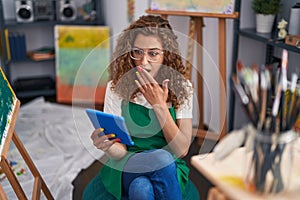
(213, 6)
(82, 59)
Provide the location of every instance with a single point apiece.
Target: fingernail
(137, 73)
(140, 68)
(118, 140)
(113, 135)
(101, 129)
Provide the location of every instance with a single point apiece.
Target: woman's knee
(135, 191)
(161, 158)
(149, 161)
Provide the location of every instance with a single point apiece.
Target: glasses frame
(145, 52)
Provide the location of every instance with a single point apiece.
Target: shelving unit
(270, 41)
(30, 28)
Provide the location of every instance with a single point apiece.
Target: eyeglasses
(152, 55)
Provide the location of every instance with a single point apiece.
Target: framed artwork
(82, 59)
(212, 6)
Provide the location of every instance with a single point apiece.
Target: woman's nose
(145, 60)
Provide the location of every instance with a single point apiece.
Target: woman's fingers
(103, 141)
(139, 86)
(141, 80)
(146, 76)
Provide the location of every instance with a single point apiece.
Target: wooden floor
(201, 182)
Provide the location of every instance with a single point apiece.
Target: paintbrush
(295, 111)
(255, 85)
(245, 78)
(263, 105)
(248, 106)
(292, 100)
(284, 83)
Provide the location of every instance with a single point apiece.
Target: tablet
(111, 124)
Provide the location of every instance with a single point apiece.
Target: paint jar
(270, 167)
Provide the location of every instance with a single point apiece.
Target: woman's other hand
(102, 141)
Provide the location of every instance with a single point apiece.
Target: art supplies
(279, 103)
(273, 110)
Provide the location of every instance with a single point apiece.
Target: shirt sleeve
(185, 111)
(112, 102)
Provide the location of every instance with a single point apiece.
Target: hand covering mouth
(148, 70)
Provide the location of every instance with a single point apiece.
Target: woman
(149, 89)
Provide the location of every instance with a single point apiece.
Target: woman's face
(149, 51)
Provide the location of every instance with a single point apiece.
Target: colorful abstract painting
(7, 107)
(82, 59)
(212, 6)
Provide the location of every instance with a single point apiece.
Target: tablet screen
(111, 124)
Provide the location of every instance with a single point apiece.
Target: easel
(195, 32)
(39, 183)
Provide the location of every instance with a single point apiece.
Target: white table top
(222, 173)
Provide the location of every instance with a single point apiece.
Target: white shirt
(112, 104)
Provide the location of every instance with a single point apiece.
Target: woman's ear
(165, 85)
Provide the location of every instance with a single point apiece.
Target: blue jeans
(151, 175)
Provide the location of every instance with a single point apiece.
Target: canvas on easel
(213, 6)
(9, 106)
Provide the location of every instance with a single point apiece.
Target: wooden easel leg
(199, 38)
(31, 166)
(190, 49)
(2, 193)
(222, 80)
(12, 178)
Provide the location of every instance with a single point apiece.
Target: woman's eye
(153, 53)
(138, 52)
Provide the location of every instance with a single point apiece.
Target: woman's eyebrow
(153, 48)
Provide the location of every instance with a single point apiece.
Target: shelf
(267, 39)
(35, 93)
(13, 23)
(29, 60)
(34, 86)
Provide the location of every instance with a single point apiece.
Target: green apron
(146, 133)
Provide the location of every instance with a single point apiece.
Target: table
(221, 174)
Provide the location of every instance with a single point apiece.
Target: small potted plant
(265, 10)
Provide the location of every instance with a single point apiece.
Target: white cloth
(112, 104)
(57, 137)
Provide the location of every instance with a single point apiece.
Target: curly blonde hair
(121, 68)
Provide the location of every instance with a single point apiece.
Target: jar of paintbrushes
(272, 104)
(271, 162)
